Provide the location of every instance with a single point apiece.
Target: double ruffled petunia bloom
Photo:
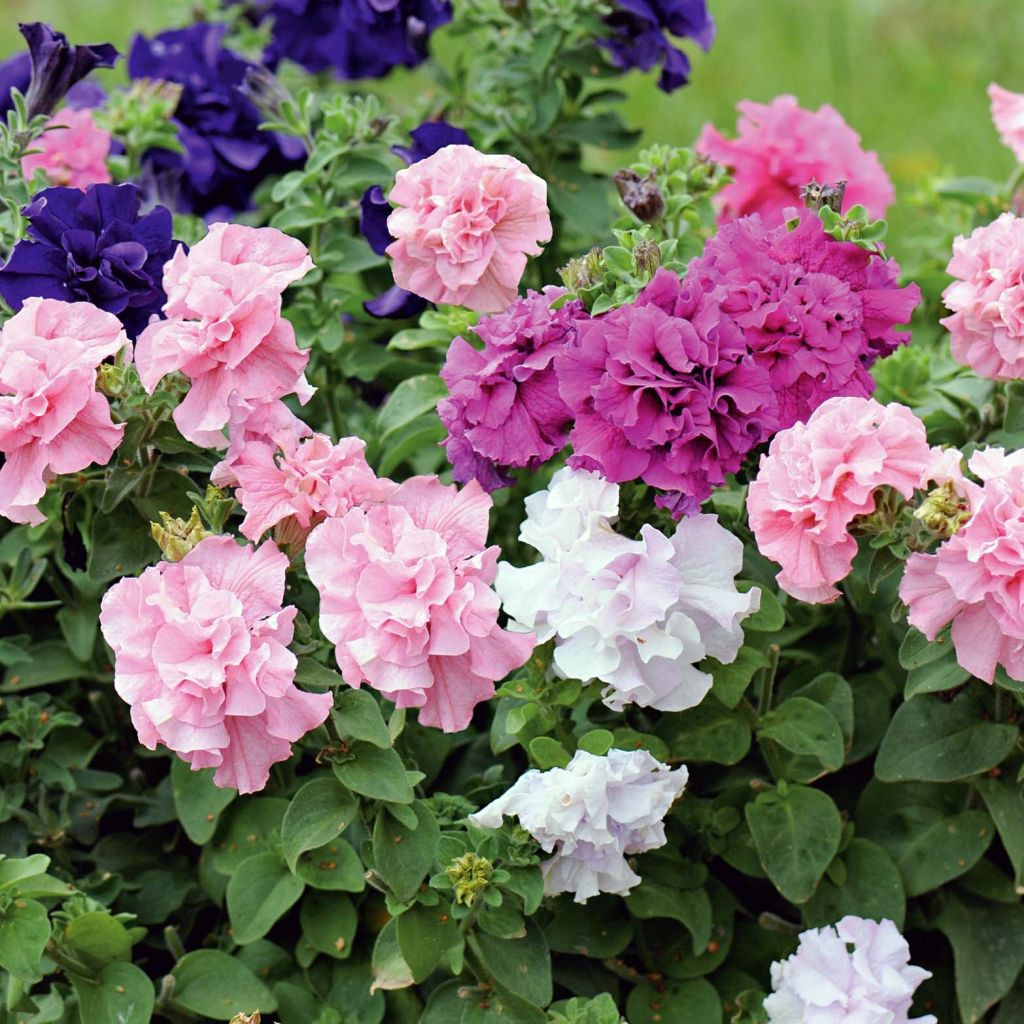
(52, 418)
(201, 655)
(405, 596)
(71, 151)
(591, 815)
(1008, 117)
(638, 615)
(780, 147)
(225, 330)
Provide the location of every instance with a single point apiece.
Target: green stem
(767, 693)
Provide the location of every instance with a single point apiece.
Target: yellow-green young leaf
(425, 934)
(259, 892)
(548, 753)
(24, 932)
(695, 1002)
(120, 994)
(328, 921)
(403, 857)
(321, 810)
(597, 741)
(796, 835)
(16, 869)
(215, 985)
(197, 801)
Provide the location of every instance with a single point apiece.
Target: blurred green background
(909, 75)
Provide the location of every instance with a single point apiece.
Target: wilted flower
(57, 65)
(781, 147)
(855, 971)
(201, 655)
(638, 615)
(591, 815)
(93, 246)
(405, 597)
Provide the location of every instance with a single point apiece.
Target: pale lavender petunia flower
(590, 815)
(855, 972)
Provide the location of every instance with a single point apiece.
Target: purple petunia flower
(397, 303)
(504, 409)
(57, 65)
(353, 38)
(664, 390)
(816, 313)
(93, 246)
(226, 154)
(640, 31)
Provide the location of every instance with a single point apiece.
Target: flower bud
(646, 259)
(246, 1018)
(583, 272)
(470, 874)
(816, 196)
(176, 537)
(264, 90)
(944, 510)
(57, 65)
(640, 194)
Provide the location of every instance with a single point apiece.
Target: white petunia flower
(639, 615)
(590, 815)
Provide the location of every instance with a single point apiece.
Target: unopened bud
(470, 874)
(646, 259)
(265, 91)
(110, 379)
(177, 537)
(641, 194)
(944, 510)
(246, 1018)
(583, 272)
(816, 196)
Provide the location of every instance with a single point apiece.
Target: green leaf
(96, 938)
(548, 753)
(805, 728)
(14, 870)
(709, 732)
(319, 812)
(403, 857)
(690, 907)
(770, 616)
(732, 680)
(260, 891)
(375, 773)
(390, 971)
(988, 950)
(328, 921)
(1005, 803)
(197, 801)
(49, 662)
(695, 1002)
(244, 830)
(214, 984)
(358, 717)
(120, 994)
(597, 741)
(930, 740)
(929, 836)
(796, 834)
(412, 396)
(333, 866)
(597, 928)
(872, 888)
(932, 665)
(120, 545)
(425, 934)
(24, 932)
(522, 965)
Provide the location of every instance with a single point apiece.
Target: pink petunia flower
(52, 419)
(292, 485)
(72, 151)
(986, 328)
(780, 147)
(201, 655)
(1008, 117)
(974, 579)
(405, 595)
(464, 224)
(819, 476)
(226, 332)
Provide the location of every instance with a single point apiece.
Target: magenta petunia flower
(405, 596)
(52, 418)
(816, 313)
(780, 147)
(664, 390)
(201, 655)
(504, 409)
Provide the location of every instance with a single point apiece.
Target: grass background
(909, 75)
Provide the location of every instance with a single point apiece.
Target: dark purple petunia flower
(396, 303)
(57, 65)
(226, 155)
(640, 31)
(353, 38)
(15, 73)
(93, 246)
